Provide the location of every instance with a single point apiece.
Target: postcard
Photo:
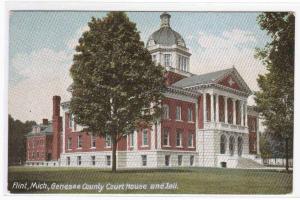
(150, 102)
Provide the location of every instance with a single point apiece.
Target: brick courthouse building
(206, 121)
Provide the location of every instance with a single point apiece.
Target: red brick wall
(200, 112)
(252, 125)
(172, 77)
(208, 107)
(221, 109)
(41, 146)
(56, 125)
(172, 125)
(225, 83)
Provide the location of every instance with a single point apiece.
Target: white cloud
(221, 52)
(46, 74)
(72, 43)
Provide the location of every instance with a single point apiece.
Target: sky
(41, 48)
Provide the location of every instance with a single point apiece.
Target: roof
(44, 130)
(201, 79)
(166, 36)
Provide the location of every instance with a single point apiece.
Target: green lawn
(189, 181)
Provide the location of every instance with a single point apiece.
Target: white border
(135, 5)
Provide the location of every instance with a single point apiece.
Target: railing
(225, 127)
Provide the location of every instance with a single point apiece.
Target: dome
(165, 35)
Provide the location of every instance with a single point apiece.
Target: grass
(188, 180)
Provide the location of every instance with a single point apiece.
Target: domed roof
(165, 35)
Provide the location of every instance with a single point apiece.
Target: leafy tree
(275, 100)
(17, 140)
(116, 86)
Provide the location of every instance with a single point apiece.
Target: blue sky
(41, 47)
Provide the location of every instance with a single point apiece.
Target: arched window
(240, 145)
(231, 145)
(223, 144)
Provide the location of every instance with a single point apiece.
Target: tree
(275, 100)
(116, 86)
(17, 140)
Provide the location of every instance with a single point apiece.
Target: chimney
(165, 19)
(45, 121)
(56, 126)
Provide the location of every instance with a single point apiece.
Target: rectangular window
(33, 155)
(154, 58)
(145, 137)
(68, 161)
(78, 160)
(70, 120)
(131, 139)
(108, 160)
(166, 111)
(166, 137)
(182, 63)
(93, 141)
(191, 140)
(179, 160)
(108, 141)
(79, 141)
(167, 60)
(144, 160)
(178, 113)
(93, 158)
(190, 115)
(167, 160)
(178, 138)
(191, 160)
(69, 143)
(37, 154)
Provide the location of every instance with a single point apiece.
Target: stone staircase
(247, 163)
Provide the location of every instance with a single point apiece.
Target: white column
(64, 133)
(204, 108)
(242, 113)
(246, 114)
(226, 110)
(158, 135)
(152, 132)
(217, 108)
(257, 136)
(234, 111)
(135, 139)
(212, 113)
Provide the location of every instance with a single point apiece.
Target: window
(93, 158)
(131, 139)
(252, 125)
(37, 154)
(93, 141)
(144, 160)
(69, 143)
(108, 141)
(191, 160)
(191, 140)
(231, 145)
(167, 160)
(71, 120)
(240, 145)
(167, 60)
(108, 160)
(179, 160)
(166, 137)
(145, 137)
(178, 113)
(33, 155)
(223, 144)
(68, 161)
(178, 138)
(154, 58)
(183, 63)
(78, 160)
(166, 111)
(190, 115)
(79, 142)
